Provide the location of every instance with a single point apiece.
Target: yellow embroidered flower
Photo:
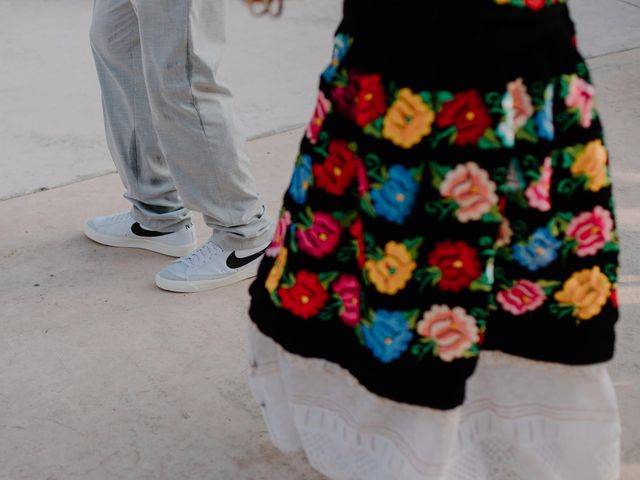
(393, 271)
(587, 291)
(273, 280)
(408, 120)
(592, 163)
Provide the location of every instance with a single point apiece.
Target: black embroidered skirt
(452, 195)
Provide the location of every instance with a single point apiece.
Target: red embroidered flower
(357, 231)
(468, 114)
(321, 238)
(458, 263)
(535, 4)
(306, 297)
(338, 170)
(363, 99)
(348, 289)
(614, 298)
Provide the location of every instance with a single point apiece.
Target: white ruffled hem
(522, 420)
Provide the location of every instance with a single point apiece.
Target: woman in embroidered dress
(440, 296)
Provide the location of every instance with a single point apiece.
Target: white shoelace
(203, 254)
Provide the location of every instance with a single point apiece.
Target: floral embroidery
(581, 98)
(273, 279)
(452, 331)
(348, 289)
(468, 114)
(539, 193)
(469, 186)
(457, 263)
(541, 251)
(518, 109)
(531, 4)
(408, 120)
(338, 170)
(301, 180)
(586, 292)
(320, 113)
(306, 297)
(357, 232)
(388, 336)
(394, 199)
(341, 47)
(592, 163)
(392, 272)
(281, 231)
(396, 171)
(544, 118)
(592, 230)
(321, 237)
(363, 99)
(525, 296)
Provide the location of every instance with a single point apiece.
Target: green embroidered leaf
(427, 97)
(374, 129)
(480, 285)
(444, 97)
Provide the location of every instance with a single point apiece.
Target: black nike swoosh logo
(141, 232)
(234, 262)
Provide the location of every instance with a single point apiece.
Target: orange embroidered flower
(587, 291)
(392, 273)
(408, 120)
(592, 163)
(273, 280)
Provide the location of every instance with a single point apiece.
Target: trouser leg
(131, 136)
(182, 43)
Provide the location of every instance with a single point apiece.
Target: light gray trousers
(171, 127)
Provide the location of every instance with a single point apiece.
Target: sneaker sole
(143, 243)
(180, 286)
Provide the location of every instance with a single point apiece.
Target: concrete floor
(105, 377)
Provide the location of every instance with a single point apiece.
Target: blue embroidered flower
(397, 196)
(389, 336)
(544, 118)
(541, 250)
(301, 180)
(340, 49)
(507, 129)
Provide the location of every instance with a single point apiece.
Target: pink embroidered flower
(524, 297)
(522, 106)
(592, 230)
(539, 194)
(279, 236)
(348, 289)
(321, 238)
(472, 190)
(320, 113)
(453, 331)
(581, 96)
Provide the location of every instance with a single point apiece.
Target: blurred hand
(266, 7)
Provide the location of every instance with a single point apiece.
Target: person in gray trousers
(175, 140)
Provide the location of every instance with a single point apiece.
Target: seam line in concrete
(91, 176)
(629, 3)
(624, 50)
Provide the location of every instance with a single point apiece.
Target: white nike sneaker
(121, 230)
(209, 267)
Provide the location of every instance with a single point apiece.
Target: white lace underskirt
(522, 420)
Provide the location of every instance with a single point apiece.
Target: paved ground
(105, 377)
